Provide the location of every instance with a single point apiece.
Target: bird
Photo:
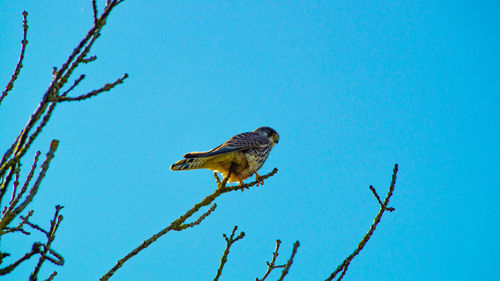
(242, 155)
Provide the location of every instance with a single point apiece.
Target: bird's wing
(239, 142)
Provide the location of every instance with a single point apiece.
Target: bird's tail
(188, 164)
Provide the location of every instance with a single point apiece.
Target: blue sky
(352, 87)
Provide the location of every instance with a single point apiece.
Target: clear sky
(352, 87)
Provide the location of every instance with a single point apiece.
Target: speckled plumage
(244, 154)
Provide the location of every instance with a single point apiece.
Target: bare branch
(94, 7)
(9, 216)
(229, 243)
(54, 225)
(178, 222)
(77, 81)
(21, 149)
(34, 226)
(18, 148)
(105, 88)
(89, 59)
(13, 203)
(271, 266)
(19, 227)
(383, 207)
(51, 277)
(17, 169)
(19, 65)
(390, 209)
(217, 178)
(290, 261)
(199, 220)
(34, 250)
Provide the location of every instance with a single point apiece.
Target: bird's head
(269, 133)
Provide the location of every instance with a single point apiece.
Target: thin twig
(175, 224)
(9, 216)
(17, 169)
(105, 88)
(94, 8)
(13, 203)
(390, 209)
(77, 81)
(383, 207)
(229, 243)
(54, 225)
(198, 221)
(89, 59)
(19, 65)
(51, 277)
(271, 265)
(34, 250)
(19, 227)
(34, 225)
(290, 261)
(217, 178)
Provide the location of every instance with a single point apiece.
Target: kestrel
(243, 155)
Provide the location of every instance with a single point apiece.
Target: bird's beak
(276, 140)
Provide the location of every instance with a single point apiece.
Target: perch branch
(178, 222)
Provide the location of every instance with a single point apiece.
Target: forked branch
(290, 261)
(342, 268)
(272, 265)
(229, 242)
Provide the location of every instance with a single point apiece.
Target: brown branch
(383, 207)
(51, 235)
(229, 243)
(14, 202)
(34, 250)
(105, 88)
(89, 59)
(18, 148)
(198, 221)
(390, 209)
(51, 277)
(19, 227)
(35, 226)
(17, 169)
(94, 8)
(178, 222)
(9, 216)
(19, 65)
(21, 149)
(77, 81)
(290, 261)
(84, 47)
(271, 265)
